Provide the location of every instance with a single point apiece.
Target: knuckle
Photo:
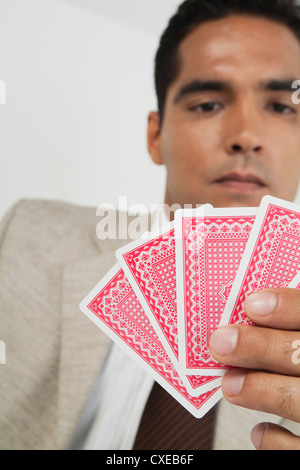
(272, 393)
(288, 353)
(271, 349)
(286, 401)
(288, 348)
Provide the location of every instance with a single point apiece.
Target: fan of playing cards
(169, 290)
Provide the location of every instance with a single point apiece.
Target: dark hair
(193, 12)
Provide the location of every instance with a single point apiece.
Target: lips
(241, 182)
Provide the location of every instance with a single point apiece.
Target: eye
(208, 107)
(281, 108)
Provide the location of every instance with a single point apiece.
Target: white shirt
(111, 418)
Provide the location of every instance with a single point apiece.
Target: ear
(153, 137)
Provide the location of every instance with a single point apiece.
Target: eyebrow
(200, 86)
(278, 85)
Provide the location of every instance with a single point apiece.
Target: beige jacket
(50, 258)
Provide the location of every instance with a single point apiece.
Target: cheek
(286, 177)
(186, 146)
(283, 149)
(288, 166)
(291, 178)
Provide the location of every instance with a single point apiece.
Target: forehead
(240, 48)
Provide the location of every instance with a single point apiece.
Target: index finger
(275, 308)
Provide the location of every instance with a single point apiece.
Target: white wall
(79, 86)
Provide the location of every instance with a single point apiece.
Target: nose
(244, 144)
(244, 131)
(245, 147)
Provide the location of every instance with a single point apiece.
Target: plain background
(79, 87)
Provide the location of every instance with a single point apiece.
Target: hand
(267, 361)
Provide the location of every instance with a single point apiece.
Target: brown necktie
(166, 425)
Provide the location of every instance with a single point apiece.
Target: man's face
(230, 132)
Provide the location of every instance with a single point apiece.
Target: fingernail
(233, 381)
(224, 340)
(257, 434)
(260, 303)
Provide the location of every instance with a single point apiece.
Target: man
(228, 133)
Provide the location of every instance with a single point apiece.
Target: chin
(239, 199)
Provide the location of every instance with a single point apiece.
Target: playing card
(295, 282)
(149, 265)
(113, 306)
(271, 257)
(209, 248)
